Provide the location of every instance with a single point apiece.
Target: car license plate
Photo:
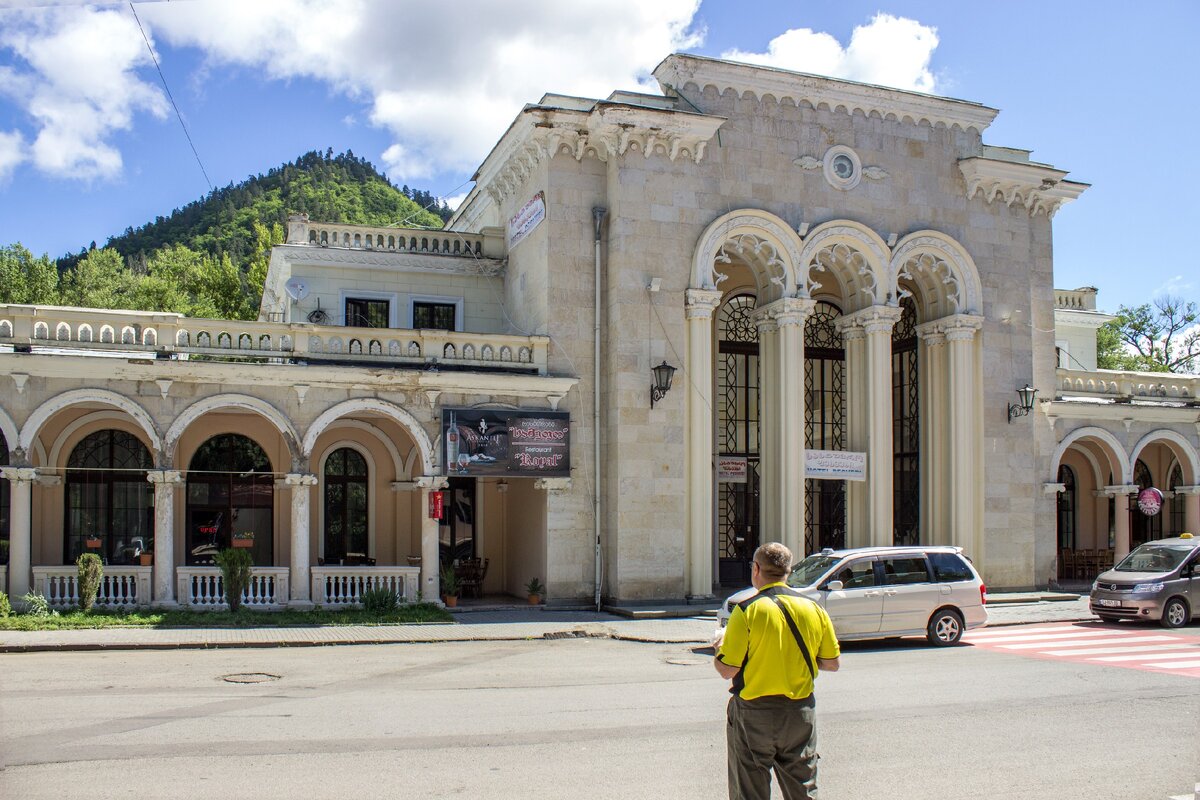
(1102, 602)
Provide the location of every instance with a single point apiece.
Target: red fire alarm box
(436, 505)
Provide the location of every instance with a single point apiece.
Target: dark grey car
(1158, 580)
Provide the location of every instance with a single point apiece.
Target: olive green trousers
(772, 733)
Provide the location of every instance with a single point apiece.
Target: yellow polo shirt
(758, 640)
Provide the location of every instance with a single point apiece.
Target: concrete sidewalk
(678, 624)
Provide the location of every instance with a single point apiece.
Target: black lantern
(1026, 394)
(663, 374)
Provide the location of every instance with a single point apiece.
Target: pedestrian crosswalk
(1109, 644)
(1195, 796)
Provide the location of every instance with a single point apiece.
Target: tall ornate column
(769, 486)
(20, 528)
(934, 446)
(876, 323)
(1120, 495)
(301, 484)
(701, 303)
(854, 340)
(965, 439)
(1191, 508)
(165, 482)
(790, 314)
(430, 558)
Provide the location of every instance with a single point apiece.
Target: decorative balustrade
(399, 240)
(1075, 299)
(344, 586)
(59, 328)
(1129, 386)
(120, 587)
(204, 587)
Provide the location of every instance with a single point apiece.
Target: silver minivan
(1158, 580)
(878, 592)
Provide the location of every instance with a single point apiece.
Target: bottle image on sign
(451, 444)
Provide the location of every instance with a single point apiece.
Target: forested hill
(329, 188)
(209, 258)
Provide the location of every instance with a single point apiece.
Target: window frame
(392, 298)
(444, 300)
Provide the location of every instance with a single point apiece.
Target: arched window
(1143, 528)
(1177, 501)
(824, 425)
(3, 503)
(230, 500)
(1066, 508)
(906, 441)
(738, 408)
(346, 506)
(109, 502)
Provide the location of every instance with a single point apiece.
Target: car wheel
(945, 628)
(1175, 614)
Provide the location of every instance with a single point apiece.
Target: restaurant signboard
(500, 441)
(835, 465)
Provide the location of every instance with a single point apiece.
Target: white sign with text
(836, 465)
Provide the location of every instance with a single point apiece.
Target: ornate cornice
(872, 319)
(701, 303)
(680, 71)
(1036, 187)
(606, 130)
(790, 310)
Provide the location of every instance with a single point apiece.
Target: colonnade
(952, 465)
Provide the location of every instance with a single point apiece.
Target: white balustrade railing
(344, 586)
(1128, 386)
(120, 587)
(1075, 299)
(59, 328)
(400, 240)
(203, 587)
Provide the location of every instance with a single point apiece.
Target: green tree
(25, 279)
(100, 280)
(1163, 336)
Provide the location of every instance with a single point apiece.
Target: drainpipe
(598, 216)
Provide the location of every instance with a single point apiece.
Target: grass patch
(244, 618)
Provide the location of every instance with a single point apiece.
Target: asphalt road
(577, 718)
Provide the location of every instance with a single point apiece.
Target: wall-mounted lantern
(664, 373)
(1026, 394)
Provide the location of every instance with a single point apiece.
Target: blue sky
(89, 143)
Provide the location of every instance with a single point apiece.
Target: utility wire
(170, 97)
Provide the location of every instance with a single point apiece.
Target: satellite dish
(297, 288)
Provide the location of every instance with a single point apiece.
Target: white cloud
(888, 51)
(445, 79)
(78, 83)
(12, 152)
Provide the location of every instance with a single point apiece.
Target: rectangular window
(948, 568)
(433, 316)
(901, 571)
(367, 313)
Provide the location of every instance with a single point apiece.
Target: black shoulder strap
(796, 633)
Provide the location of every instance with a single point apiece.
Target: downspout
(598, 216)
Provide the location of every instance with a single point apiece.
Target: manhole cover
(249, 677)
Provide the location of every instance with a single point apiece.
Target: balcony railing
(144, 332)
(398, 240)
(1075, 299)
(1125, 387)
(120, 587)
(204, 587)
(344, 586)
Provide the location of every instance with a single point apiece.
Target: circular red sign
(1150, 501)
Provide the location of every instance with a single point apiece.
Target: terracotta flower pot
(534, 599)
(146, 559)
(243, 543)
(451, 600)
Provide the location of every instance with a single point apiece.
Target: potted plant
(235, 574)
(534, 590)
(243, 539)
(450, 587)
(146, 558)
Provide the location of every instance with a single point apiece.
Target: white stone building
(845, 277)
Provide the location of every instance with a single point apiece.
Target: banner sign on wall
(731, 469)
(436, 505)
(838, 465)
(528, 218)
(501, 441)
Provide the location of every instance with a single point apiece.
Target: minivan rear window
(949, 567)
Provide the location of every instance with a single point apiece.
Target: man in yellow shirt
(774, 645)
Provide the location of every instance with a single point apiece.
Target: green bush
(91, 571)
(235, 566)
(5, 606)
(379, 600)
(449, 582)
(37, 605)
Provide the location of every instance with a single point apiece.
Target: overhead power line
(170, 97)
